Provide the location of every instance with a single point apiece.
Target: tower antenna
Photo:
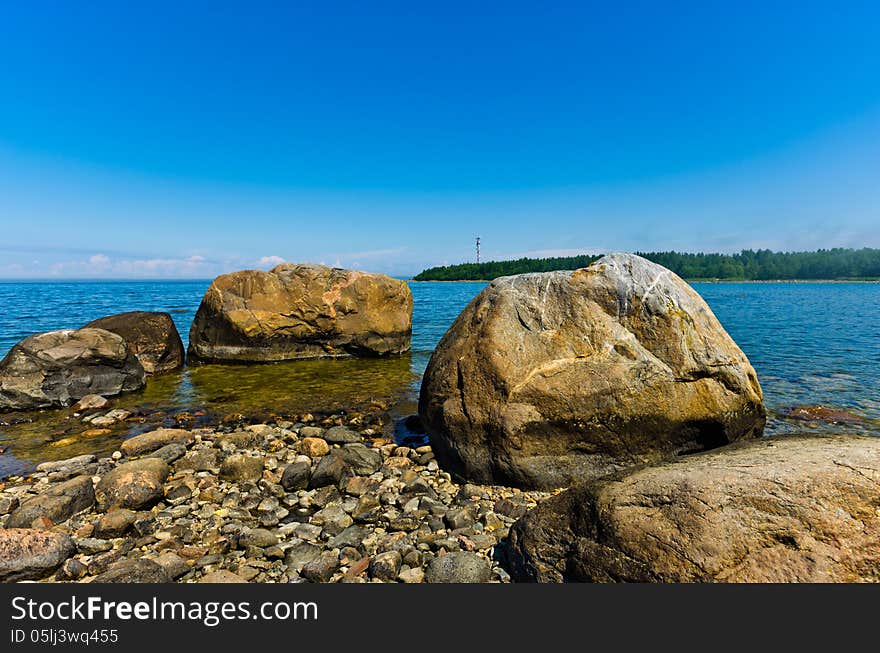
(478, 250)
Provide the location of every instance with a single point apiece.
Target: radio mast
(478, 250)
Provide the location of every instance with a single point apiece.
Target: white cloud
(270, 261)
(99, 259)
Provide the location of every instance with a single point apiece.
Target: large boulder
(790, 509)
(27, 554)
(57, 502)
(151, 336)
(548, 379)
(301, 311)
(57, 368)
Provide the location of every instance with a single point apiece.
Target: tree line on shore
(747, 265)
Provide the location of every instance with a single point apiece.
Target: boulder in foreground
(789, 509)
(549, 379)
(27, 554)
(151, 336)
(58, 368)
(301, 311)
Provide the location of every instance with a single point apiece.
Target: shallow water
(810, 344)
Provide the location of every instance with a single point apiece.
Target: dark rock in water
(133, 485)
(57, 502)
(301, 311)
(788, 509)
(57, 368)
(151, 336)
(28, 554)
(615, 365)
(296, 476)
(134, 571)
(240, 467)
(823, 414)
(458, 567)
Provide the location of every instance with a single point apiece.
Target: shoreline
(306, 501)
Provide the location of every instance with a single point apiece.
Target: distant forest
(748, 265)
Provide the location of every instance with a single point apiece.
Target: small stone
(330, 471)
(73, 569)
(332, 519)
(90, 402)
(90, 545)
(173, 564)
(8, 504)
(412, 576)
(240, 467)
(458, 567)
(222, 576)
(299, 554)
(385, 566)
(134, 571)
(341, 435)
(321, 569)
(314, 447)
(418, 486)
(460, 518)
(137, 484)
(296, 476)
(258, 537)
(360, 485)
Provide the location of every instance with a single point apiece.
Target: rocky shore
(312, 500)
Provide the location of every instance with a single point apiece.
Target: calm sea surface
(811, 344)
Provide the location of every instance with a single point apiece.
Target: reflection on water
(205, 395)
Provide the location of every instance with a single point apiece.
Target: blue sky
(172, 141)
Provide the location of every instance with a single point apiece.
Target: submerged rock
(301, 311)
(789, 509)
(549, 379)
(58, 368)
(151, 336)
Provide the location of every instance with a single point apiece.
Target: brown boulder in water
(549, 379)
(151, 336)
(301, 311)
